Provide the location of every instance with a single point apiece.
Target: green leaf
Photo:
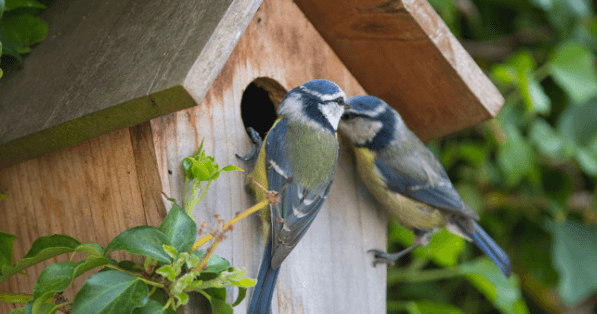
(42, 249)
(54, 278)
(201, 171)
(154, 307)
(7, 241)
(231, 168)
(242, 293)
(2, 196)
(142, 240)
(93, 249)
(587, 161)
(572, 67)
(426, 307)
(488, 279)
(179, 228)
(216, 264)
(505, 74)
(9, 46)
(577, 123)
(545, 138)
(15, 4)
(111, 292)
(574, 253)
(217, 299)
(533, 95)
(25, 29)
(515, 157)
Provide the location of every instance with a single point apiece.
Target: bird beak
(347, 107)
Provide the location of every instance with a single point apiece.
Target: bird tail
(261, 301)
(486, 244)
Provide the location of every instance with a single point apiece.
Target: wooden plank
(401, 51)
(148, 174)
(92, 191)
(105, 65)
(329, 271)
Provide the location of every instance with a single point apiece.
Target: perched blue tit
(298, 159)
(405, 176)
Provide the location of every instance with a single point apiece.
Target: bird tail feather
(261, 301)
(486, 244)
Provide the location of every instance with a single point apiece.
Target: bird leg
(257, 140)
(422, 238)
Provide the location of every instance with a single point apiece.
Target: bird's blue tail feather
(486, 244)
(261, 301)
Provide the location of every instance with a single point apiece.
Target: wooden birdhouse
(95, 123)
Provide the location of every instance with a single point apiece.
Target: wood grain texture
(329, 271)
(104, 62)
(92, 191)
(402, 52)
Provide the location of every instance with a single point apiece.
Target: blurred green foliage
(20, 28)
(530, 173)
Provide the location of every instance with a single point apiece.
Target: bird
(298, 159)
(406, 178)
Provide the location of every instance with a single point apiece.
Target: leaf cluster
(172, 267)
(530, 173)
(20, 27)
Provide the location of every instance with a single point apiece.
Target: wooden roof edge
(462, 62)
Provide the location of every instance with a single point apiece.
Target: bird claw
(257, 140)
(381, 257)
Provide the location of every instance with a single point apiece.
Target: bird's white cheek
(332, 113)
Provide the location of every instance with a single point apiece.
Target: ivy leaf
(7, 242)
(515, 157)
(572, 67)
(425, 307)
(216, 264)
(154, 307)
(9, 46)
(179, 228)
(231, 168)
(41, 250)
(15, 4)
(546, 138)
(25, 29)
(111, 292)
(242, 293)
(142, 240)
(533, 95)
(574, 253)
(54, 278)
(488, 279)
(217, 300)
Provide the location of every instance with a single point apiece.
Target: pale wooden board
(329, 271)
(104, 65)
(92, 191)
(404, 53)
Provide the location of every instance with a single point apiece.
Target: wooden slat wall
(402, 51)
(329, 271)
(91, 191)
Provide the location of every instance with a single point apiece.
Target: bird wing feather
(412, 170)
(298, 206)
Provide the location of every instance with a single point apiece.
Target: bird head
(317, 103)
(370, 122)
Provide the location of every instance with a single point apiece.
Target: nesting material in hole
(259, 102)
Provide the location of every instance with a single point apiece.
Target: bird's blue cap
(366, 104)
(323, 87)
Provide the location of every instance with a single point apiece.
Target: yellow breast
(410, 213)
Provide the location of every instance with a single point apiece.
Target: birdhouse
(95, 123)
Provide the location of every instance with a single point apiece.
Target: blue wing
(298, 206)
(412, 170)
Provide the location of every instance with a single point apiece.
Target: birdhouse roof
(107, 65)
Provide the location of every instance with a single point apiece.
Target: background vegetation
(530, 173)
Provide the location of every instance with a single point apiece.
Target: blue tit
(406, 178)
(298, 159)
